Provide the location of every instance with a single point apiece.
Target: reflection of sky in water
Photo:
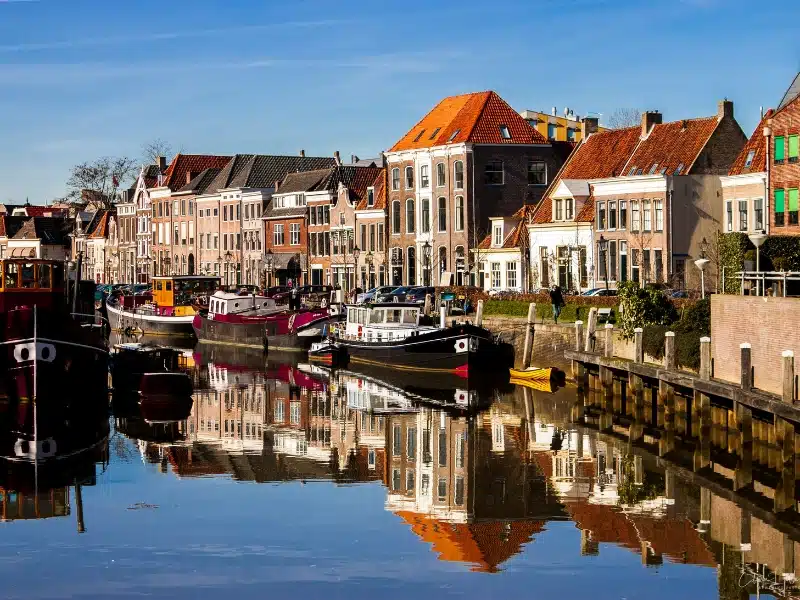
(166, 535)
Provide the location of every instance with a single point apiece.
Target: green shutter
(794, 146)
(793, 200)
(779, 205)
(779, 148)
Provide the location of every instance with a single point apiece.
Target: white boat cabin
(225, 303)
(384, 322)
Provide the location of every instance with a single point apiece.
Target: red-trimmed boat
(257, 322)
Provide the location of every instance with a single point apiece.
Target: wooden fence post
(705, 358)
(669, 350)
(526, 352)
(479, 314)
(788, 376)
(591, 329)
(578, 336)
(638, 353)
(747, 366)
(609, 346)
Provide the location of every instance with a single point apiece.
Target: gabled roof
(10, 225)
(43, 211)
(379, 184)
(261, 171)
(355, 179)
(306, 181)
(792, 93)
(194, 164)
(201, 182)
(757, 144)
(50, 230)
(99, 227)
(515, 236)
(469, 118)
(671, 146)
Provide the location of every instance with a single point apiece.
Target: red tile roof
(379, 184)
(100, 229)
(175, 175)
(671, 146)
(469, 118)
(45, 211)
(757, 144)
(515, 237)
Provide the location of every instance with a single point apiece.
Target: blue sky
(81, 79)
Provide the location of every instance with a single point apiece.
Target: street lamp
(269, 264)
(369, 258)
(426, 254)
(604, 257)
(228, 259)
(757, 239)
(701, 263)
(356, 252)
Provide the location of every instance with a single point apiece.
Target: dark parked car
(375, 294)
(279, 293)
(398, 294)
(418, 294)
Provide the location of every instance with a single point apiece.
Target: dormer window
(679, 169)
(569, 209)
(748, 162)
(504, 132)
(370, 196)
(632, 171)
(497, 235)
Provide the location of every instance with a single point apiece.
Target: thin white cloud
(158, 36)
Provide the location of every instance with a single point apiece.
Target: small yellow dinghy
(532, 374)
(540, 386)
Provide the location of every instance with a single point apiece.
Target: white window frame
(294, 234)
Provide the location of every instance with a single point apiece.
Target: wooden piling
(788, 559)
(526, 353)
(577, 366)
(578, 335)
(669, 350)
(428, 305)
(747, 367)
(609, 345)
(638, 337)
(705, 358)
(785, 441)
(479, 314)
(788, 376)
(590, 330)
(743, 476)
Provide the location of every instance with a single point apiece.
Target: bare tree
(624, 117)
(155, 148)
(97, 182)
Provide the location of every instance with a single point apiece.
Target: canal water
(285, 480)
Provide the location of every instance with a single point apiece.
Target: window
(758, 214)
(442, 214)
(435, 133)
(742, 215)
(678, 169)
(411, 443)
(623, 214)
(370, 197)
(426, 215)
(612, 260)
(410, 215)
(412, 266)
(493, 173)
(442, 489)
(459, 496)
(409, 481)
(495, 275)
(645, 266)
(601, 216)
(440, 174)
(793, 199)
(623, 261)
(342, 219)
(424, 180)
(419, 135)
(371, 238)
(442, 259)
(559, 209)
(658, 205)
(409, 178)
(794, 148)
(551, 131)
(659, 265)
(749, 160)
(312, 216)
(511, 274)
(635, 265)
(570, 134)
(646, 217)
(453, 135)
(504, 132)
(442, 448)
(294, 231)
(537, 172)
(779, 207)
(396, 178)
(277, 235)
(396, 216)
(612, 215)
(363, 230)
(544, 266)
(497, 235)
(458, 174)
(729, 215)
(780, 149)
(380, 237)
(569, 209)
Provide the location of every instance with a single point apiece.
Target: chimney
(162, 163)
(725, 109)
(337, 158)
(302, 153)
(650, 118)
(555, 111)
(589, 125)
(189, 176)
(277, 184)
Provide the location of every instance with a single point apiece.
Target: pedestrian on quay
(557, 300)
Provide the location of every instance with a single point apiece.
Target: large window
(646, 218)
(409, 178)
(441, 170)
(412, 266)
(544, 266)
(793, 198)
(442, 214)
(424, 180)
(601, 216)
(363, 242)
(459, 216)
(396, 178)
(612, 215)
(442, 259)
(410, 215)
(742, 215)
(758, 214)
(380, 237)
(494, 173)
(780, 207)
(634, 265)
(729, 215)
(623, 261)
(458, 174)
(623, 214)
(658, 259)
(635, 224)
(612, 260)
(780, 149)
(496, 275)
(511, 274)
(294, 230)
(396, 216)
(537, 172)
(426, 215)
(658, 206)
(277, 235)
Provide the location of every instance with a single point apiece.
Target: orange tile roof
(379, 184)
(469, 118)
(513, 239)
(671, 146)
(100, 230)
(757, 144)
(175, 175)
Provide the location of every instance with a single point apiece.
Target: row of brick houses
(473, 194)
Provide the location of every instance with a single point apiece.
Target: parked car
(374, 294)
(599, 292)
(315, 295)
(397, 294)
(418, 294)
(279, 293)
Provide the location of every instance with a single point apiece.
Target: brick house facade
(783, 171)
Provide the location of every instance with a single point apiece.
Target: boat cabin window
(28, 275)
(376, 316)
(32, 275)
(11, 275)
(394, 315)
(44, 275)
(410, 316)
(159, 285)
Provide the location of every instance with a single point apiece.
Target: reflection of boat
(140, 419)
(541, 385)
(151, 370)
(532, 374)
(326, 352)
(171, 310)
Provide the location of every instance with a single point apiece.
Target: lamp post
(701, 263)
(369, 258)
(269, 264)
(228, 259)
(757, 239)
(356, 252)
(604, 257)
(426, 255)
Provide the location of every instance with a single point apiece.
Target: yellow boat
(532, 374)
(539, 386)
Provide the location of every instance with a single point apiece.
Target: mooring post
(788, 376)
(702, 409)
(479, 314)
(428, 305)
(591, 329)
(705, 511)
(747, 366)
(638, 344)
(743, 475)
(578, 369)
(578, 336)
(705, 358)
(669, 350)
(526, 352)
(609, 345)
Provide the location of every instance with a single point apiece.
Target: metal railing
(758, 281)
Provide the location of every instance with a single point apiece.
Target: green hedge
(694, 324)
(571, 312)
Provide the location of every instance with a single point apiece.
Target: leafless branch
(97, 182)
(152, 150)
(624, 117)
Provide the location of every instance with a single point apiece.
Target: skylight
(679, 169)
(435, 132)
(419, 135)
(453, 135)
(632, 171)
(662, 171)
(653, 169)
(749, 160)
(505, 132)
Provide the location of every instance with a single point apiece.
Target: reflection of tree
(630, 492)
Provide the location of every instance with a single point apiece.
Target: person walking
(557, 300)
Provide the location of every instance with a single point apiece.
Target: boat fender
(39, 350)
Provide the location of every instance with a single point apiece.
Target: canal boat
(50, 360)
(169, 310)
(149, 370)
(257, 322)
(399, 336)
(533, 374)
(326, 352)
